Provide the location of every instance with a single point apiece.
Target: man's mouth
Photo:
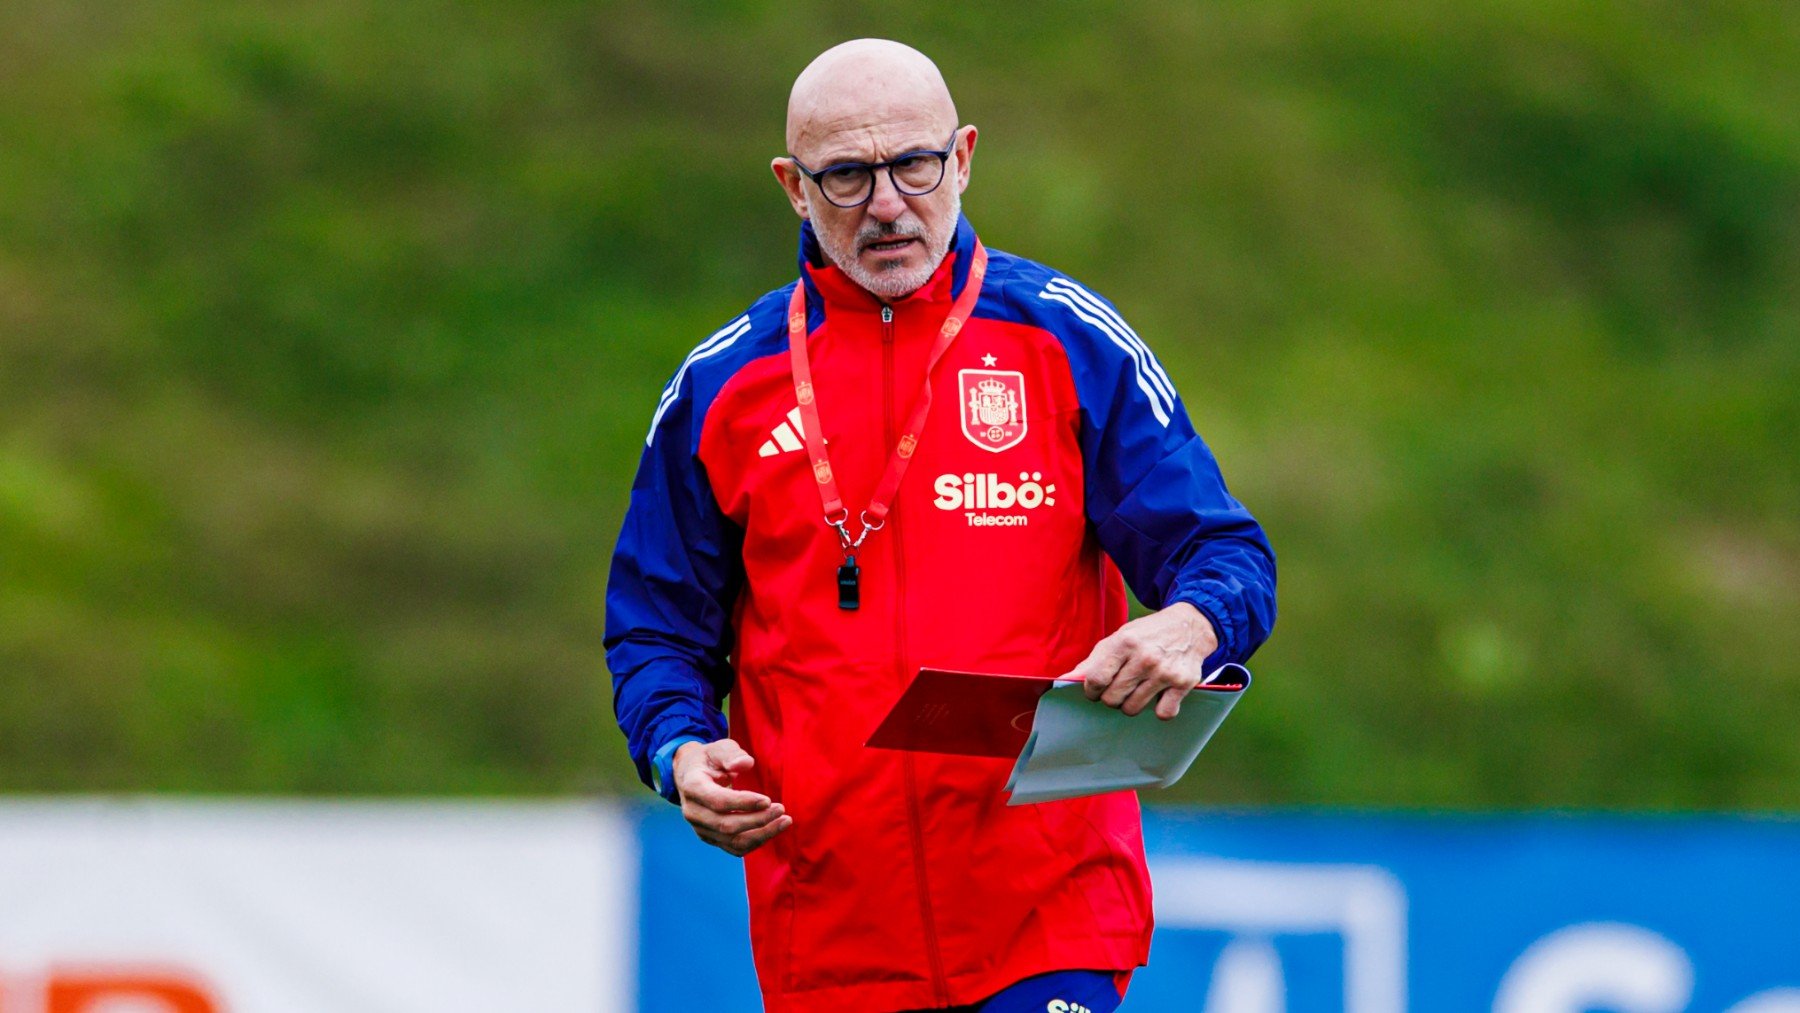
(890, 245)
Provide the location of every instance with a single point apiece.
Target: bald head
(866, 91)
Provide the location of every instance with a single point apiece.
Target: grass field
(328, 334)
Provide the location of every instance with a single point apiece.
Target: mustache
(881, 232)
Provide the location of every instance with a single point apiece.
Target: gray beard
(893, 283)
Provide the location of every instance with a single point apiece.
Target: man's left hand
(1159, 655)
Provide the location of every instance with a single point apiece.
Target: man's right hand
(737, 821)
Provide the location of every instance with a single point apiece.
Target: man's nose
(887, 203)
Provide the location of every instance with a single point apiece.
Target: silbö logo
(975, 493)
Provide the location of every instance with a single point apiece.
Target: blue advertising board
(1259, 912)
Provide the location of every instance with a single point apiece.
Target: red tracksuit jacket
(1056, 454)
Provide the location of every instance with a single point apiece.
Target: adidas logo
(784, 437)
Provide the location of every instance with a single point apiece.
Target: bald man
(921, 453)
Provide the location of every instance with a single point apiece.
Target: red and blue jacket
(1057, 465)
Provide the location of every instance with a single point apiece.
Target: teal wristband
(662, 767)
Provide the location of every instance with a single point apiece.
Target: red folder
(965, 713)
(983, 713)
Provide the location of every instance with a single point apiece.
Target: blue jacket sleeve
(1153, 489)
(675, 577)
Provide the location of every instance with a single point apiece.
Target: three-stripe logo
(1150, 376)
(721, 339)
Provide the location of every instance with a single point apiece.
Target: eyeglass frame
(943, 157)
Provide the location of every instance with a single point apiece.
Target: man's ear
(965, 159)
(792, 183)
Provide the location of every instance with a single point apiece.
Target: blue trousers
(1056, 992)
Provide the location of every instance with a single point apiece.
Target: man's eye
(843, 176)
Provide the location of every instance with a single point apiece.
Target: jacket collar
(826, 284)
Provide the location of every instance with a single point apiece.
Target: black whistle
(849, 594)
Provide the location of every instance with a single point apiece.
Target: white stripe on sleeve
(1158, 405)
(1098, 305)
(720, 340)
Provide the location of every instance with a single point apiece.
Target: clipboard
(1063, 745)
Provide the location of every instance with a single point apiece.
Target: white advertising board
(328, 907)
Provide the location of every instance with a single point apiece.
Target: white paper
(1083, 747)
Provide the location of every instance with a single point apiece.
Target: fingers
(1139, 668)
(749, 841)
(1149, 675)
(1098, 669)
(731, 824)
(738, 832)
(1142, 693)
(706, 793)
(1169, 704)
(743, 843)
(729, 756)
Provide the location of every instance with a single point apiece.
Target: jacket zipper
(915, 822)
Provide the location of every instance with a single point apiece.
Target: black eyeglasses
(851, 184)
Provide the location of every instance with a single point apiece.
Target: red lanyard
(874, 517)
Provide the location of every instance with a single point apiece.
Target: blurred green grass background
(329, 333)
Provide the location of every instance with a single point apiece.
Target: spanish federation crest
(993, 407)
